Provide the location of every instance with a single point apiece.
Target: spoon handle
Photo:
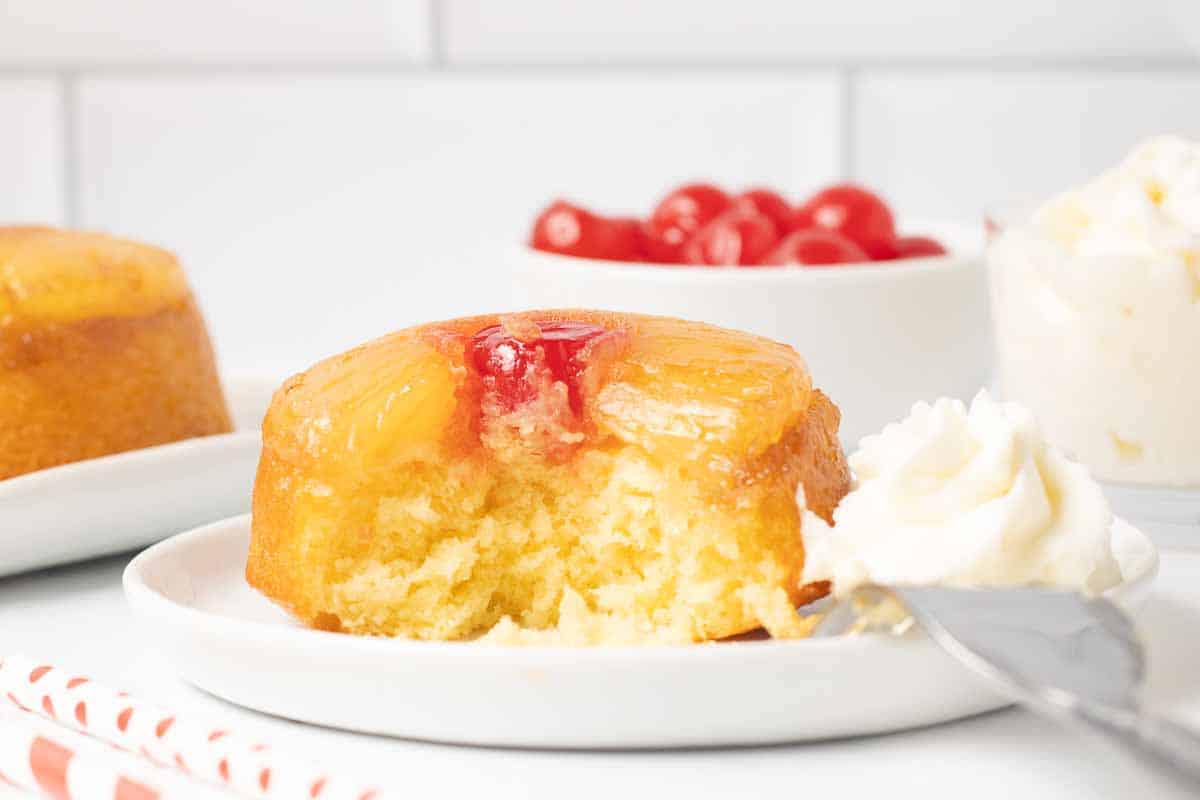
(1155, 740)
(1177, 746)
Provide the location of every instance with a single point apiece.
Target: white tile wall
(315, 213)
(31, 151)
(332, 170)
(951, 146)
(85, 32)
(702, 31)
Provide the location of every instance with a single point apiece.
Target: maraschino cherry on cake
(102, 350)
(559, 477)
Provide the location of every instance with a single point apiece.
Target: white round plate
(127, 500)
(230, 641)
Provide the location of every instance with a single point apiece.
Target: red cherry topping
(511, 366)
(918, 246)
(573, 231)
(679, 215)
(768, 203)
(739, 236)
(815, 247)
(661, 246)
(622, 238)
(859, 215)
(883, 250)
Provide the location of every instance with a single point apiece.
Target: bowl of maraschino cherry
(702, 225)
(882, 319)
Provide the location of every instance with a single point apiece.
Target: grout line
(437, 39)
(920, 65)
(404, 67)
(849, 114)
(69, 89)
(204, 70)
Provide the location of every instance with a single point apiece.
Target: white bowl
(877, 337)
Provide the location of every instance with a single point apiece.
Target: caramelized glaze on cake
(571, 477)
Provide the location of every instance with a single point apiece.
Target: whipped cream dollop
(967, 498)
(1096, 309)
(1148, 205)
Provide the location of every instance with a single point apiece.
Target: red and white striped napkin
(45, 761)
(198, 749)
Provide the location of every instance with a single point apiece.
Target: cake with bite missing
(555, 477)
(102, 350)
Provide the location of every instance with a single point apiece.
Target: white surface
(360, 205)
(77, 617)
(106, 505)
(952, 145)
(877, 338)
(231, 641)
(31, 164)
(145, 31)
(781, 30)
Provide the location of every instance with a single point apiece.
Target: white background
(329, 171)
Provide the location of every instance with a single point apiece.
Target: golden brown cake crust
(76, 385)
(824, 473)
(339, 439)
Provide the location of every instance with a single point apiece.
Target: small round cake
(548, 477)
(102, 350)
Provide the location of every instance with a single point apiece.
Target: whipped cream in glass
(1096, 307)
(966, 498)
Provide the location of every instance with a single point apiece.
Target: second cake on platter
(102, 350)
(557, 477)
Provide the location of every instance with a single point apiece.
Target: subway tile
(758, 31)
(31, 151)
(81, 32)
(953, 146)
(315, 213)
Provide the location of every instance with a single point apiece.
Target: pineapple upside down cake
(549, 477)
(102, 350)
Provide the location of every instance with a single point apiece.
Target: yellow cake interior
(630, 550)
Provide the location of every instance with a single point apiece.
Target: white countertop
(76, 617)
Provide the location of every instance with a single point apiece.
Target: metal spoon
(1065, 656)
